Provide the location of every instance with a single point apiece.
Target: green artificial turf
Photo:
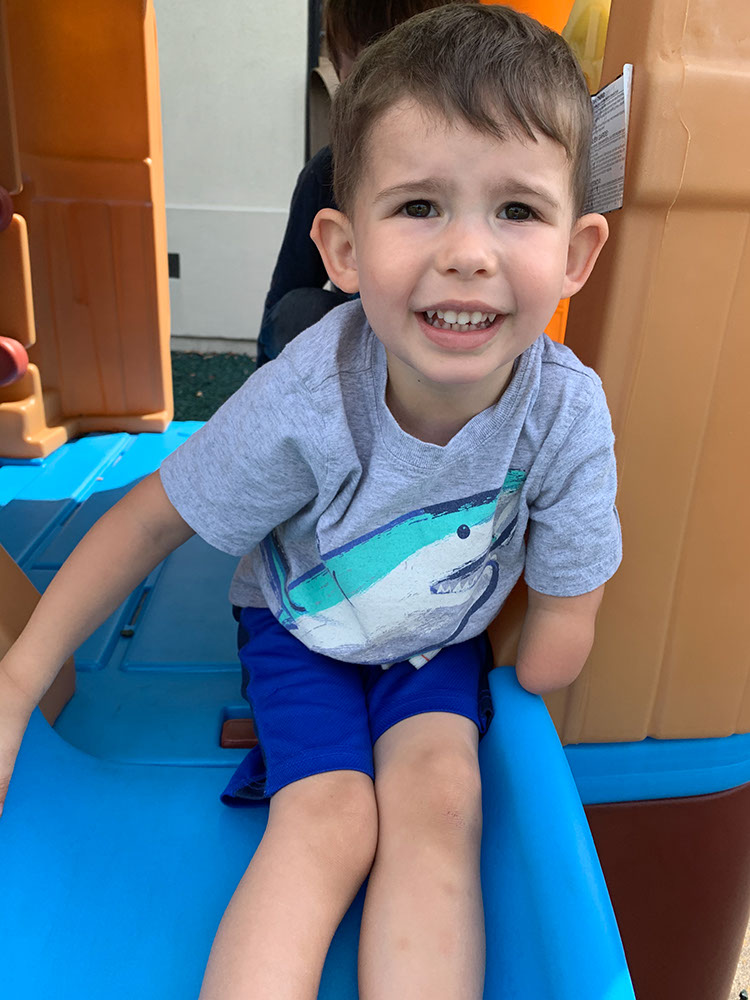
(203, 381)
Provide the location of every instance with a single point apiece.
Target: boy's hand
(556, 639)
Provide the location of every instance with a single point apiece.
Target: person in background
(297, 298)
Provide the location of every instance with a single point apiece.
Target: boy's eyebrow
(433, 185)
(521, 188)
(425, 185)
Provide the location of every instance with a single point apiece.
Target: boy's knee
(436, 790)
(336, 813)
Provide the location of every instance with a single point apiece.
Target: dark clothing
(299, 265)
(293, 313)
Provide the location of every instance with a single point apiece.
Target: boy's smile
(461, 246)
(452, 324)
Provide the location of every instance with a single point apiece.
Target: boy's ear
(333, 236)
(588, 236)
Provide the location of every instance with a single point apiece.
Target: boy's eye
(418, 209)
(517, 212)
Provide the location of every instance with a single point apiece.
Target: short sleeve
(574, 543)
(253, 465)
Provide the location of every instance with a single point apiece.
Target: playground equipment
(81, 156)
(656, 726)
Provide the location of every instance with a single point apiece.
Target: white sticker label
(609, 144)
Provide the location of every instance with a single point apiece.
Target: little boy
(425, 446)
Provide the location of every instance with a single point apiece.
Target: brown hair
(350, 25)
(498, 70)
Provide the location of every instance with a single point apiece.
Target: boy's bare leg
(316, 852)
(423, 925)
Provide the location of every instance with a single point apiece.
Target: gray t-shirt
(372, 546)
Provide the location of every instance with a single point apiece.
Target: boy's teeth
(459, 320)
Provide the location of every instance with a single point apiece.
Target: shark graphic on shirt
(432, 566)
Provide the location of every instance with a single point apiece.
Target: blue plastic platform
(160, 693)
(114, 876)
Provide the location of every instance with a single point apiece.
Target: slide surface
(114, 875)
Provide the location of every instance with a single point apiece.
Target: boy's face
(449, 220)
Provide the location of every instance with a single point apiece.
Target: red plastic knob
(13, 361)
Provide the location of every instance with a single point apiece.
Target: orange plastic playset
(83, 260)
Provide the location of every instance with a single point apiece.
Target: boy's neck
(436, 414)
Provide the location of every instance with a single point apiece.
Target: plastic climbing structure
(630, 808)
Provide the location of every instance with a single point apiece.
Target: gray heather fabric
(372, 546)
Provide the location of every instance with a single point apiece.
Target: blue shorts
(314, 714)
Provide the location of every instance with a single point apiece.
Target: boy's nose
(466, 251)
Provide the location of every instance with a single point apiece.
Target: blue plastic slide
(113, 876)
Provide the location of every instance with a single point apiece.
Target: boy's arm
(556, 639)
(117, 553)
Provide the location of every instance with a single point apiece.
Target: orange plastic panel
(664, 320)
(89, 134)
(556, 326)
(19, 600)
(30, 423)
(16, 308)
(553, 13)
(10, 170)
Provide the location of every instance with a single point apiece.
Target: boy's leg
(316, 766)
(423, 925)
(316, 852)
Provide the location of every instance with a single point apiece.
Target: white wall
(233, 105)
